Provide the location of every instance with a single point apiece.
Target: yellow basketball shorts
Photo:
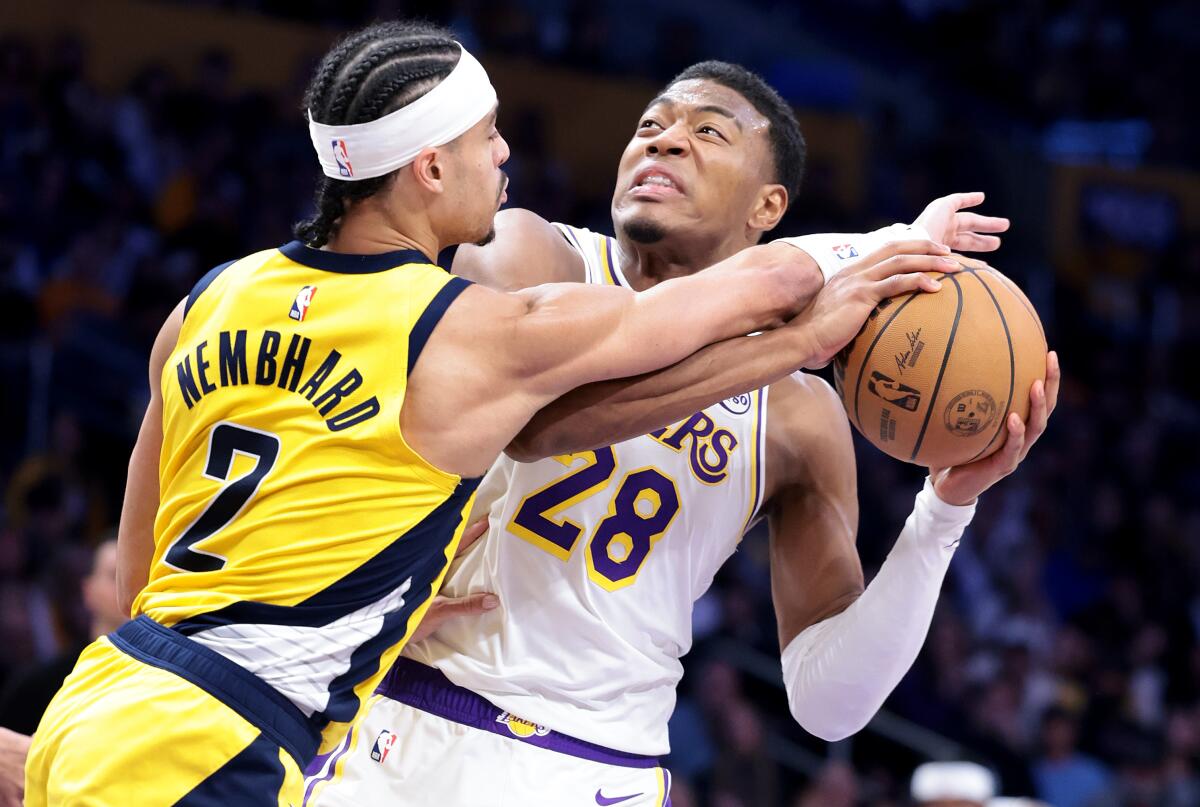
(150, 718)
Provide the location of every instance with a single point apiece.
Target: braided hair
(367, 75)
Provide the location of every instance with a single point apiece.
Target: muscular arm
(846, 647)
(526, 348)
(813, 517)
(528, 251)
(608, 412)
(135, 536)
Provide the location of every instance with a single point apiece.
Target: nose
(503, 151)
(673, 141)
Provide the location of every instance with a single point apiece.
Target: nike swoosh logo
(604, 800)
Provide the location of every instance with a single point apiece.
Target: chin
(487, 239)
(644, 229)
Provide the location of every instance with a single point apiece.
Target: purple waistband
(426, 688)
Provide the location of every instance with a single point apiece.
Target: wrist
(804, 350)
(944, 506)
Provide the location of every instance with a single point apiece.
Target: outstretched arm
(607, 412)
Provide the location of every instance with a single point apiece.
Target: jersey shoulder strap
(599, 254)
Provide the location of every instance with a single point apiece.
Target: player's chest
(671, 498)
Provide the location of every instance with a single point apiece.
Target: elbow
(831, 728)
(125, 601)
(126, 595)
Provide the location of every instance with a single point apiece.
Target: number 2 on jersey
(225, 441)
(641, 511)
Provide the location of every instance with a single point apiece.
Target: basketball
(931, 377)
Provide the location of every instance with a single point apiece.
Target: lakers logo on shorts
(520, 727)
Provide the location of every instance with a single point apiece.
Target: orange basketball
(931, 377)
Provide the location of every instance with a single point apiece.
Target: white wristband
(839, 671)
(832, 251)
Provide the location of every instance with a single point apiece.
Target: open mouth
(655, 183)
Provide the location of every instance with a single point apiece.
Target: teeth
(655, 179)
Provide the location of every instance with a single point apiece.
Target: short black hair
(787, 143)
(366, 75)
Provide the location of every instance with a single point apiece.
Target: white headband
(372, 149)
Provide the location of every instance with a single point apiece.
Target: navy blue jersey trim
(253, 777)
(431, 316)
(418, 552)
(249, 696)
(203, 283)
(347, 264)
(418, 556)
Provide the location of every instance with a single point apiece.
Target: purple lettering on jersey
(640, 528)
(532, 514)
(710, 447)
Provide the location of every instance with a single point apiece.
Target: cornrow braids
(367, 75)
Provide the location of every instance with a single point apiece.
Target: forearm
(757, 289)
(839, 671)
(608, 412)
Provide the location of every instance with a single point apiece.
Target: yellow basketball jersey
(298, 534)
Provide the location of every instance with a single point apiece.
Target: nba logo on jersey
(342, 157)
(383, 744)
(302, 302)
(845, 252)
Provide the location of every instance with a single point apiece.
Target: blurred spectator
(952, 784)
(835, 786)
(13, 750)
(1065, 777)
(29, 691)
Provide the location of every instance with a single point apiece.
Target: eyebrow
(717, 108)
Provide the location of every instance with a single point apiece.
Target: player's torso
(286, 486)
(597, 558)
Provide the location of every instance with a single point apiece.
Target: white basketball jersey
(597, 558)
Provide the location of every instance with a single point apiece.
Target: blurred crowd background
(144, 142)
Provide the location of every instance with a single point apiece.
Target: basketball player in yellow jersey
(320, 415)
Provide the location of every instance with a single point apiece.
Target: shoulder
(527, 251)
(807, 429)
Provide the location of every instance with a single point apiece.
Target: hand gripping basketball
(963, 484)
(839, 310)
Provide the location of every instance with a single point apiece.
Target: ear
(429, 169)
(769, 207)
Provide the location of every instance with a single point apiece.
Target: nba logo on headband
(449, 109)
(342, 158)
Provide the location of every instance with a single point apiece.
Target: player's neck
(646, 265)
(102, 627)
(368, 230)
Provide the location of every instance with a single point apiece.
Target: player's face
(100, 587)
(698, 161)
(479, 185)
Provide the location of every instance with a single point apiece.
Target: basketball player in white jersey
(561, 694)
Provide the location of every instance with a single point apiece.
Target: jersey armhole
(431, 316)
(572, 235)
(203, 283)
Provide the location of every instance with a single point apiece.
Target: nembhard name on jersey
(234, 366)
